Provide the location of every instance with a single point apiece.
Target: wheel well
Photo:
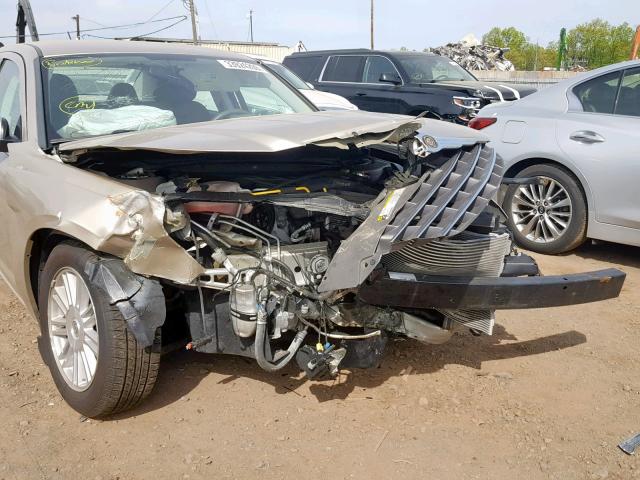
(516, 168)
(42, 243)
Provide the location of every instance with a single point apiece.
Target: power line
(93, 21)
(140, 36)
(213, 27)
(160, 11)
(115, 27)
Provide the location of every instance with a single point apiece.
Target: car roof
(94, 47)
(362, 51)
(555, 97)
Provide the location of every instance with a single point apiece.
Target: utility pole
(194, 26)
(251, 25)
(77, 19)
(25, 19)
(371, 24)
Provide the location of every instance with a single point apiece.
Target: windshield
(99, 95)
(288, 75)
(433, 68)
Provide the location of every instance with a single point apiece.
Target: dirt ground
(549, 395)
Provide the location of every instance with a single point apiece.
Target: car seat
(61, 88)
(177, 95)
(600, 98)
(122, 94)
(629, 101)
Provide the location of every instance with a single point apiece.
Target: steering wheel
(235, 112)
(441, 77)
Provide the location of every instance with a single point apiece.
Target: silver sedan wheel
(73, 329)
(542, 213)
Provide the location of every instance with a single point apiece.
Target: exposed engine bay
(287, 239)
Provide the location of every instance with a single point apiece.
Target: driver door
(380, 96)
(11, 112)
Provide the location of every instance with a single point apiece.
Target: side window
(376, 66)
(263, 101)
(304, 66)
(629, 97)
(344, 68)
(10, 94)
(598, 94)
(206, 99)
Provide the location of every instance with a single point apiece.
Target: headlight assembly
(471, 103)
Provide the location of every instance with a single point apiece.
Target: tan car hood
(270, 133)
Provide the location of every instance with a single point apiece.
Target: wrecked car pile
(291, 235)
(476, 57)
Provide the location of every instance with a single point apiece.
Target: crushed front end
(320, 253)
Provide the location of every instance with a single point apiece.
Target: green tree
(521, 52)
(592, 44)
(598, 43)
(505, 37)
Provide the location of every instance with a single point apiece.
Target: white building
(273, 51)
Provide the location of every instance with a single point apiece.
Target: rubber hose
(261, 336)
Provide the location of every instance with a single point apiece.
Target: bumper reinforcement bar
(495, 293)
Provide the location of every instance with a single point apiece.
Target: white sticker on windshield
(453, 63)
(237, 65)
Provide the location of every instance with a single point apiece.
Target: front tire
(95, 361)
(548, 218)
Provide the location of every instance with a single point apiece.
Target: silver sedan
(581, 139)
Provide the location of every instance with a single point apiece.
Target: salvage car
(409, 83)
(145, 200)
(580, 140)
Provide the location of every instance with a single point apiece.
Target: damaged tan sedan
(152, 195)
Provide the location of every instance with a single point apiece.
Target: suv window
(10, 94)
(598, 94)
(629, 97)
(344, 68)
(376, 66)
(304, 66)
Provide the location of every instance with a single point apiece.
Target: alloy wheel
(73, 329)
(541, 213)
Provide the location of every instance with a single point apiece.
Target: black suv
(409, 83)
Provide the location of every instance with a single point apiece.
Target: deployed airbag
(101, 121)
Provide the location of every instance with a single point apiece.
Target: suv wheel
(550, 217)
(96, 363)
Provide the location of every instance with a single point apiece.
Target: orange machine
(636, 44)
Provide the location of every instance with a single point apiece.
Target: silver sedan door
(604, 141)
(11, 115)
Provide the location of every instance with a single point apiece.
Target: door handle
(361, 94)
(586, 136)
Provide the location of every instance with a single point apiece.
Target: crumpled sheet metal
(139, 299)
(137, 231)
(476, 57)
(150, 250)
(364, 139)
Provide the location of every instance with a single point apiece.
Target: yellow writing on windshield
(72, 105)
(71, 62)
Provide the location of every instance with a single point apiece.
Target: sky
(321, 24)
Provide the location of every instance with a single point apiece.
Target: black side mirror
(390, 78)
(5, 134)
